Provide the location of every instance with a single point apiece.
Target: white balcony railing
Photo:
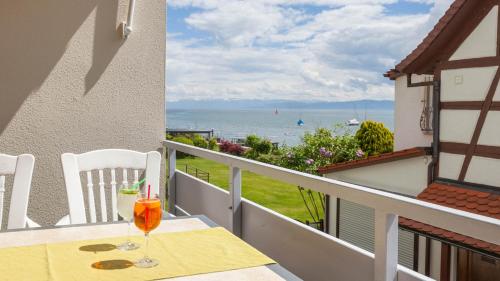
(308, 253)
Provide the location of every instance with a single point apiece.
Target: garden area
(317, 149)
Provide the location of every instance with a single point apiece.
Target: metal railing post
(386, 246)
(235, 197)
(171, 180)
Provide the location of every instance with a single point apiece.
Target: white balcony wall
(308, 253)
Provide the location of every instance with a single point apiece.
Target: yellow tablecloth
(180, 254)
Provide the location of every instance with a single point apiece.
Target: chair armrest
(64, 221)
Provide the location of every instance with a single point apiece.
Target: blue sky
(332, 50)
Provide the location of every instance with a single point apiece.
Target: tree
(374, 138)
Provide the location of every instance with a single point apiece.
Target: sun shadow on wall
(107, 41)
(35, 36)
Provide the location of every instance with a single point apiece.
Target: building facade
(69, 82)
(448, 104)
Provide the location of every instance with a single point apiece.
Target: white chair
(21, 167)
(74, 164)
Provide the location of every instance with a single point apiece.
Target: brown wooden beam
(410, 84)
(453, 147)
(486, 151)
(427, 257)
(445, 262)
(468, 105)
(469, 63)
(415, 251)
(498, 32)
(479, 125)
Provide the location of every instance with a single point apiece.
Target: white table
(26, 237)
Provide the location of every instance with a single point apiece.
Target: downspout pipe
(127, 26)
(436, 100)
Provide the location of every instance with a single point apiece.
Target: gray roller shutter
(405, 248)
(356, 226)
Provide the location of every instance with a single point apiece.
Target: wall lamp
(126, 27)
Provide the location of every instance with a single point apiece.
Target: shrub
(212, 144)
(374, 138)
(184, 140)
(252, 141)
(231, 148)
(200, 141)
(263, 147)
(169, 137)
(268, 158)
(319, 149)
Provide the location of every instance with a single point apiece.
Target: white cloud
(274, 50)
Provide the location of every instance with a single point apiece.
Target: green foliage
(169, 137)
(258, 147)
(268, 158)
(374, 138)
(184, 140)
(319, 149)
(252, 141)
(263, 147)
(200, 141)
(212, 144)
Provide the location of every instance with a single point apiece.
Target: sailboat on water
(353, 122)
(276, 111)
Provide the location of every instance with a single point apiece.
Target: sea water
(281, 127)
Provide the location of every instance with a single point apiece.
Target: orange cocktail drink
(147, 214)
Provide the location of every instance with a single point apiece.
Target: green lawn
(276, 195)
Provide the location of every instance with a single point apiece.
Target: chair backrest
(21, 167)
(113, 159)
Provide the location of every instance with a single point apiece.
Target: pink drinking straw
(146, 216)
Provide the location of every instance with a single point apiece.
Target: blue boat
(300, 122)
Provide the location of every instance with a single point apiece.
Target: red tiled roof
(474, 201)
(446, 36)
(372, 160)
(435, 32)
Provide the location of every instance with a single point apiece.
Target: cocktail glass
(147, 216)
(126, 202)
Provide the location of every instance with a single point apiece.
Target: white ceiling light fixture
(126, 27)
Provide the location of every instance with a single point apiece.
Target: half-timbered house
(447, 137)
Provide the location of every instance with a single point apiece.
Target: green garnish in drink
(132, 191)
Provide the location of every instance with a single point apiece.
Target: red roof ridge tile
(378, 159)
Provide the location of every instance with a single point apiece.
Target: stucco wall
(408, 176)
(407, 111)
(69, 83)
(482, 41)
